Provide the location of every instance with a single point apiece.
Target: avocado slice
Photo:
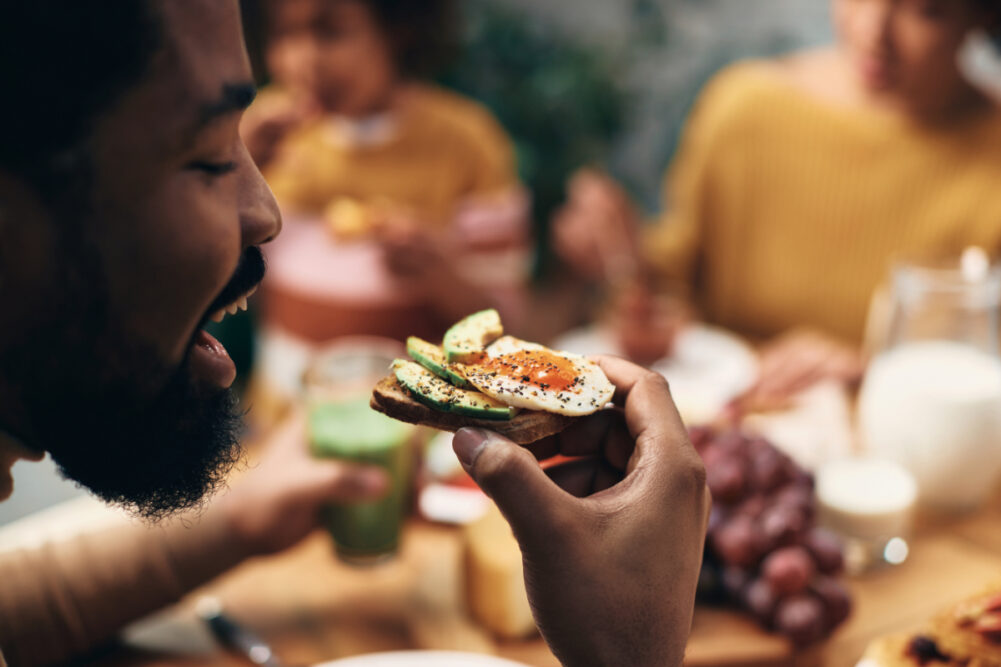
(432, 358)
(465, 341)
(438, 394)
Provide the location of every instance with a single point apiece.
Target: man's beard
(115, 417)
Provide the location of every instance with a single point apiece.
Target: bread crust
(526, 427)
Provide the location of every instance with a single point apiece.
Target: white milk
(866, 499)
(935, 408)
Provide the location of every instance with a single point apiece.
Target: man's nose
(260, 218)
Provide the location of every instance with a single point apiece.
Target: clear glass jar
(931, 398)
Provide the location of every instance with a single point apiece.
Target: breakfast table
(311, 609)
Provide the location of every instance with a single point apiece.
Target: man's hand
(277, 502)
(612, 542)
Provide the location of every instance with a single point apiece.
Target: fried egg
(534, 377)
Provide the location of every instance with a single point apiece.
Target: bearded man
(130, 213)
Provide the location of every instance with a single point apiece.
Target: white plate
(709, 368)
(422, 659)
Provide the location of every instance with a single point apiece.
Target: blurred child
(800, 179)
(418, 183)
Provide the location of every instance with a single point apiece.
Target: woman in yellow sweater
(799, 181)
(418, 184)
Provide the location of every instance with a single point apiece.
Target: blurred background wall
(660, 53)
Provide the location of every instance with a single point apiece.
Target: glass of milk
(931, 399)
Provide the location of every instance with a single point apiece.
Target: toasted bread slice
(526, 427)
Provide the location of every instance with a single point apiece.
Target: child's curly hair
(422, 33)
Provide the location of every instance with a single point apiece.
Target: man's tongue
(210, 362)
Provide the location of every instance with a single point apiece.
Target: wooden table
(311, 608)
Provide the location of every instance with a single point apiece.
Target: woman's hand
(277, 502)
(612, 541)
(646, 324)
(595, 230)
(798, 359)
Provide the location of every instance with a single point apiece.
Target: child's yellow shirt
(434, 152)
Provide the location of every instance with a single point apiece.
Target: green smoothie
(352, 431)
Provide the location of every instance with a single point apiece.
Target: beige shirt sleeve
(63, 599)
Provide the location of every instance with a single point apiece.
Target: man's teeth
(239, 304)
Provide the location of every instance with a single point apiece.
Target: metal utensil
(233, 635)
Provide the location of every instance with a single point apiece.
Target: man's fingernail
(467, 444)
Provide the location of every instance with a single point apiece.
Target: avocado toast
(481, 378)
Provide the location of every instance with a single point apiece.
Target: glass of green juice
(343, 426)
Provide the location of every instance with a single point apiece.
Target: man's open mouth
(233, 308)
(209, 361)
(245, 281)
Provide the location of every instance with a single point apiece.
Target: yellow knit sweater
(784, 210)
(443, 149)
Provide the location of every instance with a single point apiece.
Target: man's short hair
(62, 63)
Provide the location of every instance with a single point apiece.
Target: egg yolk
(535, 367)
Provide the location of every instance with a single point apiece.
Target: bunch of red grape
(763, 550)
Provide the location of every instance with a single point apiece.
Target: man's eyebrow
(235, 97)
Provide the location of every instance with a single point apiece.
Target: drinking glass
(342, 426)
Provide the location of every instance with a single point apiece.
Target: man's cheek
(195, 254)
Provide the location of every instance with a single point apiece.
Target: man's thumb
(511, 476)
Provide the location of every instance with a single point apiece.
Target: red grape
(795, 495)
(735, 580)
(732, 442)
(700, 436)
(782, 525)
(735, 541)
(826, 550)
(726, 481)
(760, 598)
(836, 600)
(713, 456)
(788, 570)
(801, 618)
(753, 506)
(801, 477)
(763, 549)
(768, 471)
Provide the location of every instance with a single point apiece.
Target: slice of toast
(526, 427)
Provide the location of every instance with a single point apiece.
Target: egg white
(590, 392)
